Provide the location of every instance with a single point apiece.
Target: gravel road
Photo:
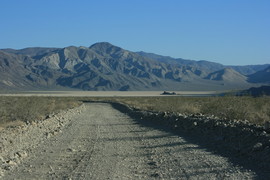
(103, 143)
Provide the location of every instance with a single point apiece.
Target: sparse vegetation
(27, 109)
(255, 110)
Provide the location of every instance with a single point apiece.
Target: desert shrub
(32, 108)
(255, 110)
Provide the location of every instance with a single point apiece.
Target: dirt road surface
(103, 143)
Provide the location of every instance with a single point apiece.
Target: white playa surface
(108, 93)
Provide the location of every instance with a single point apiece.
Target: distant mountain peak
(83, 47)
(102, 44)
(104, 48)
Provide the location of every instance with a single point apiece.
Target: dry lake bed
(109, 93)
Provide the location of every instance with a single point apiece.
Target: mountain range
(103, 66)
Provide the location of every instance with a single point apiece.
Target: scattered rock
(70, 150)
(48, 135)
(22, 154)
(233, 136)
(11, 163)
(2, 159)
(258, 146)
(1, 173)
(156, 175)
(7, 167)
(15, 141)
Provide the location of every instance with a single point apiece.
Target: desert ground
(99, 142)
(132, 135)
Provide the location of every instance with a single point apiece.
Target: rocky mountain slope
(104, 66)
(35, 51)
(13, 71)
(206, 66)
(228, 75)
(262, 76)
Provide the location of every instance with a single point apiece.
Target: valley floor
(100, 142)
(108, 93)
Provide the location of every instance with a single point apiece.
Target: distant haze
(226, 32)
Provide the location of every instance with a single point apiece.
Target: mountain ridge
(213, 66)
(103, 66)
(227, 74)
(260, 76)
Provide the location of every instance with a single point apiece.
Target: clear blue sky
(231, 32)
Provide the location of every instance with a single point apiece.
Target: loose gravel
(97, 141)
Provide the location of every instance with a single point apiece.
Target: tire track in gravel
(103, 143)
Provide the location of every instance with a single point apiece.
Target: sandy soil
(102, 143)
